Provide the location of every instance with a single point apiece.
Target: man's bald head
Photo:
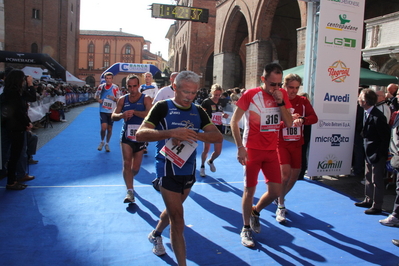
(392, 88)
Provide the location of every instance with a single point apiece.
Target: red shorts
(267, 161)
(291, 154)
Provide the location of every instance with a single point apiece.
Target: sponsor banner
(335, 124)
(336, 84)
(134, 68)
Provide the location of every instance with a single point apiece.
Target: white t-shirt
(164, 93)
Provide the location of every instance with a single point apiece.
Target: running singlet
(130, 126)
(150, 90)
(108, 105)
(214, 110)
(262, 118)
(166, 115)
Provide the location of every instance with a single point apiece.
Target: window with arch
(106, 49)
(128, 49)
(91, 47)
(34, 48)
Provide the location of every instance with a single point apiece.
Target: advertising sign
(336, 86)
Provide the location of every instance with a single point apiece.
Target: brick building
(44, 26)
(98, 50)
(247, 34)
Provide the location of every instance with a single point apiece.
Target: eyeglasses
(276, 84)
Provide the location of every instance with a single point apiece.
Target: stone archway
(229, 62)
(183, 59)
(257, 33)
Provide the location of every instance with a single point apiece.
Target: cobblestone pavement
(348, 185)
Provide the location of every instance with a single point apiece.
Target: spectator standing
(376, 134)
(15, 121)
(264, 108)
(291, 140)
(175, 123)
(382, 105)
(214, 109)
(358, 149)
(393, 218)
(391, 97)
(107, 94)
(132, 108)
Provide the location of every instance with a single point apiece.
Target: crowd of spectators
(229, 96)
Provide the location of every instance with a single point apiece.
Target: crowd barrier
(37, 110)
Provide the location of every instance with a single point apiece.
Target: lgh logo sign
(343, 42)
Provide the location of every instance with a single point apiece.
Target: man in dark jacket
(376, 134)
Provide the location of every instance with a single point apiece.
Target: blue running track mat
(73, 214)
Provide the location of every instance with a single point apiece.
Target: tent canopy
(74, 80)
(367, 76)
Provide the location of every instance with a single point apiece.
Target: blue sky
(132, 16)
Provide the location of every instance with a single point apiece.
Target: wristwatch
(281, 104)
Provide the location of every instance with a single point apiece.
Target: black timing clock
(180, 12)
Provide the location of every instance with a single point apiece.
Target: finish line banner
(336, 86)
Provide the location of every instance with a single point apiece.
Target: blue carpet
(72, 214)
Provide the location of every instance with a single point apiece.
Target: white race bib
(292, 133)
(108, 104)
(178, 154)
(217, 118)
(130, 132)
(270, 119)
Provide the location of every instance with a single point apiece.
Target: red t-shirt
(302, 106)
(262, 118)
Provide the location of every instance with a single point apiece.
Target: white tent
(35, 72)
(74, 80)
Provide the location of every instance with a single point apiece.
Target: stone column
(259, 53)
(224, 66)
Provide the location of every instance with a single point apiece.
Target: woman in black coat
(15, 121)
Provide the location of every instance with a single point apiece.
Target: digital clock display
(180, 12)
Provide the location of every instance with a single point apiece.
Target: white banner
(134, 68)
(336, 85)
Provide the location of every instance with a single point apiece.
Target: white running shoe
(202, 171)
(246, 238)
(158, 248)
(390, 221)
(254, 223)
(100, 147)
(107, 148)
(129, 197)
(280, 215)
(211, 166)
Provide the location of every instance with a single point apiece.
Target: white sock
(130, 189)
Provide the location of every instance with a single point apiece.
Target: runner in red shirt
(291, 140)
(264, 108)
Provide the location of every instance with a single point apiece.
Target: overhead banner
(130, 68)
(336, 85)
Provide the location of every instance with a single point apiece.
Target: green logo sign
(346, 42)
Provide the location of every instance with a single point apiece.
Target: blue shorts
(105, 118)
(177, 183)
